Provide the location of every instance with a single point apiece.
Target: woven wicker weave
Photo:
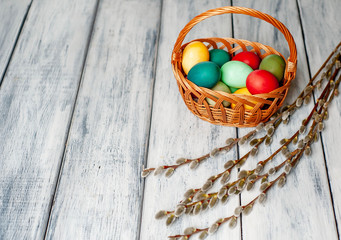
(263, 105)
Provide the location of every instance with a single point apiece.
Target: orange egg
(245, 92)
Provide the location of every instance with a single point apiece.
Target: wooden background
(87, 97)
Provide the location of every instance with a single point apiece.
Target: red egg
(250, 58)
(261, 81)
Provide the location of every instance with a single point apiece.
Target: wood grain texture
(290, 212)
(36, 102)
(12, 13)
(321, 25)
(100, 190)
(176, 132)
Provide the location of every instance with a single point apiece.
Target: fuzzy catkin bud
(180, 210)
(307, 151)
(308, 89)
(160, 214)
(145, 173)
(243, 174)
(285, 115)
(241, 162)
(300, 144)
(268, 140)
(184, 238)
(283, 141)
(272, 171)
(203, 235)
(307, 99)
(180, 160)
(204, 205)
(233, 222)
(194, 164)
(214, 152)
(249, 186)
(228, 164)
(254, 141)
(229, 141)
(242, 141)
(225, 177)
(207, 185)
(222, 192)
(260, 127)
(254, 151)
(320, 126)
(270, 131)
(169, 172)
(213, 201)
(197, 208)
(259, 168)
(238, 211)
(252, 177)
(232, 190)
(189, 192)
(281, 181)
(224, 199)
(302, 129)
(159, 170)
(262, 198)
(287, 168)
(189, 230)
(295, 140)
(248, 209)
(299, 102)
(241, 185)
(214, 227)
(264, 186)
(170, 219)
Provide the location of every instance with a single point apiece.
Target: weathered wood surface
(12, 15)
(74, 140)
(100, 191)
(291, 209)
(176, 132)
(36, 102)
(321, 25)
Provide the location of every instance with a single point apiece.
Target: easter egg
(275, 64)
(250, 58)
(194, 53)
(243, 91)
(261, 81)
(204, 74)
(233, 89)
(219, 56)
(234, 73)
(220, 86)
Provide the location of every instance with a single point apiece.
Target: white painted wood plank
(176, 132)
(36, 102)
(12, 13)
(321, 25)
(100, 189)
(290, 212)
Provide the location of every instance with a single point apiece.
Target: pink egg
(250, 58)
(261, 81)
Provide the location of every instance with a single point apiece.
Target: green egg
(219, 56)
(220, 86)
(274, 64)
(204, 74)
(234, 73)
(233, 89)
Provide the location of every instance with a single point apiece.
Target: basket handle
(291, 62)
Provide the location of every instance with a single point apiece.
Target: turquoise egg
(204, 74)
(219, 56)
(234, 74)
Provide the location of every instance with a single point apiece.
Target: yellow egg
(194, 53)
(245, 92)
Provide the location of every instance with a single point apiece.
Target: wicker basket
(263, 105)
